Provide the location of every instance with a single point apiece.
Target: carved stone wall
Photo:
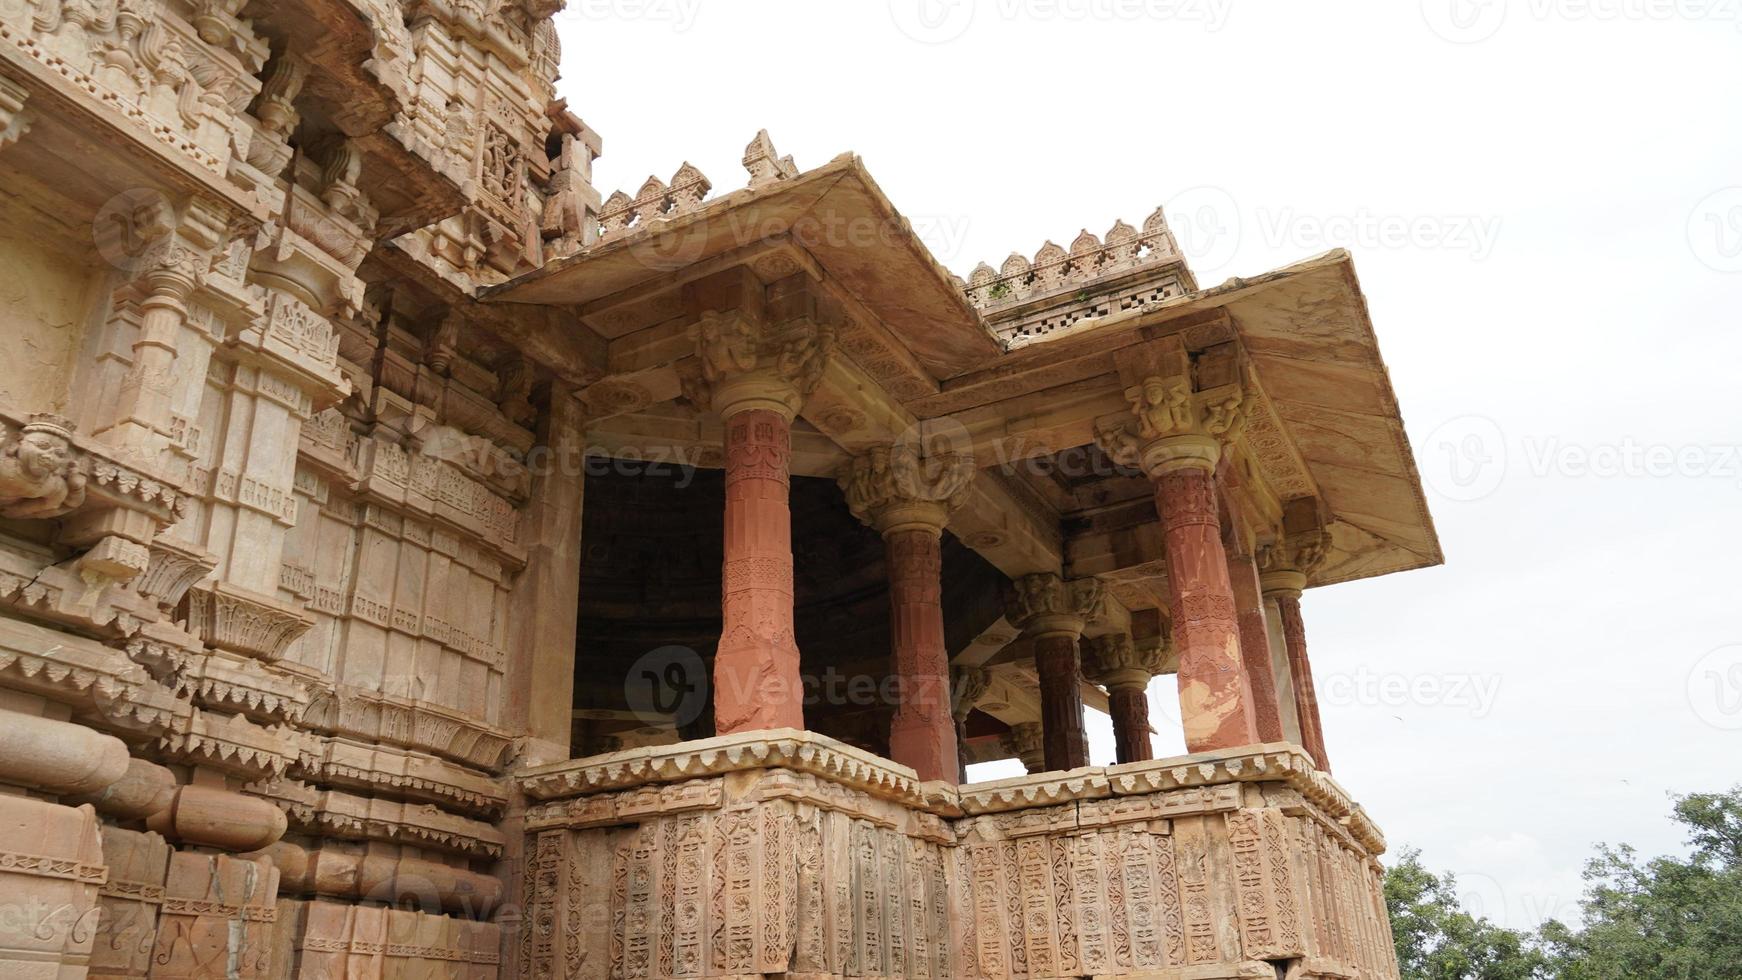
(262, 476)
(796, 854)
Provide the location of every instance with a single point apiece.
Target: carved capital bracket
(1118, 661)
(895, 488)
(1184, 408)
(14, 119)
(968, 685)
(1286, 563)
(1045, 604)
(744, 363)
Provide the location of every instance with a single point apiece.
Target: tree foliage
(1669, 918)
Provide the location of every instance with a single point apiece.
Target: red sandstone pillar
(1284, 587)
(756, 668)
(1061, 701)
(908, 498)
(1130, 707)
(922, 734)
(1216, 700)
(1125, 669)
(1184, 407)
(1053, 612)
(758, 353)
(1255, 646)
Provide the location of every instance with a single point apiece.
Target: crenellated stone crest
(765, 163)
(744, 364)
(1184, 408)
(1046, 603)
(895, 488)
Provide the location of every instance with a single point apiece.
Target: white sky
(1559, 314)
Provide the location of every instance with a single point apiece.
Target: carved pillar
(1029, 745)
(754, 367)
(1053, 612)
(1125, 668)
(1283, 579)
(142, 407)
(1185, 410)
(908, 499)
(1255, 645)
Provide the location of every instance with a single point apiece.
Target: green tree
(1665, 919)
(1437, 940)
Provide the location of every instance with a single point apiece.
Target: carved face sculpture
(42, 455)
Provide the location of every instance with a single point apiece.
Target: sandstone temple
(415, 563)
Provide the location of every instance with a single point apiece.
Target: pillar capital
(1116, 661)
(894, 488)
(1045, 604)
(1025, 739)
(744, 363)
(967, 686)
(1285, 564)
(1184, 409)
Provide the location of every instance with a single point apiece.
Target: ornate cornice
(805, 752)
(894, 488)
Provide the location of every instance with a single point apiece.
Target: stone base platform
(787, 853)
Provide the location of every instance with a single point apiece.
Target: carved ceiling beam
(1042, 422)
(769, 259)
(1009, 526)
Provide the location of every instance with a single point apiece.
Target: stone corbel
(1301, 548)
(244, 622)
(15, 120)
(1045, 603)
(741, 364)
(1117, 661)
(968, 685)
(1184, 408)
(893, 488)
(41, 475)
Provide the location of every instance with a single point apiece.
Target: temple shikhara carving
(416, 563)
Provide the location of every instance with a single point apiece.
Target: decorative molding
(232, 618)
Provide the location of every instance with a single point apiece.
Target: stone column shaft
(1255, 646)
(1058, 663)
(1053, 612)
(1130, 708)
(1125, 667)
(908, 497)
(1214, 690)
(922, 734)
(756, 668)
(1305, 698)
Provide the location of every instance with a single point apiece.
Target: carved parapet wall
(1032, 299)
(795, 854)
